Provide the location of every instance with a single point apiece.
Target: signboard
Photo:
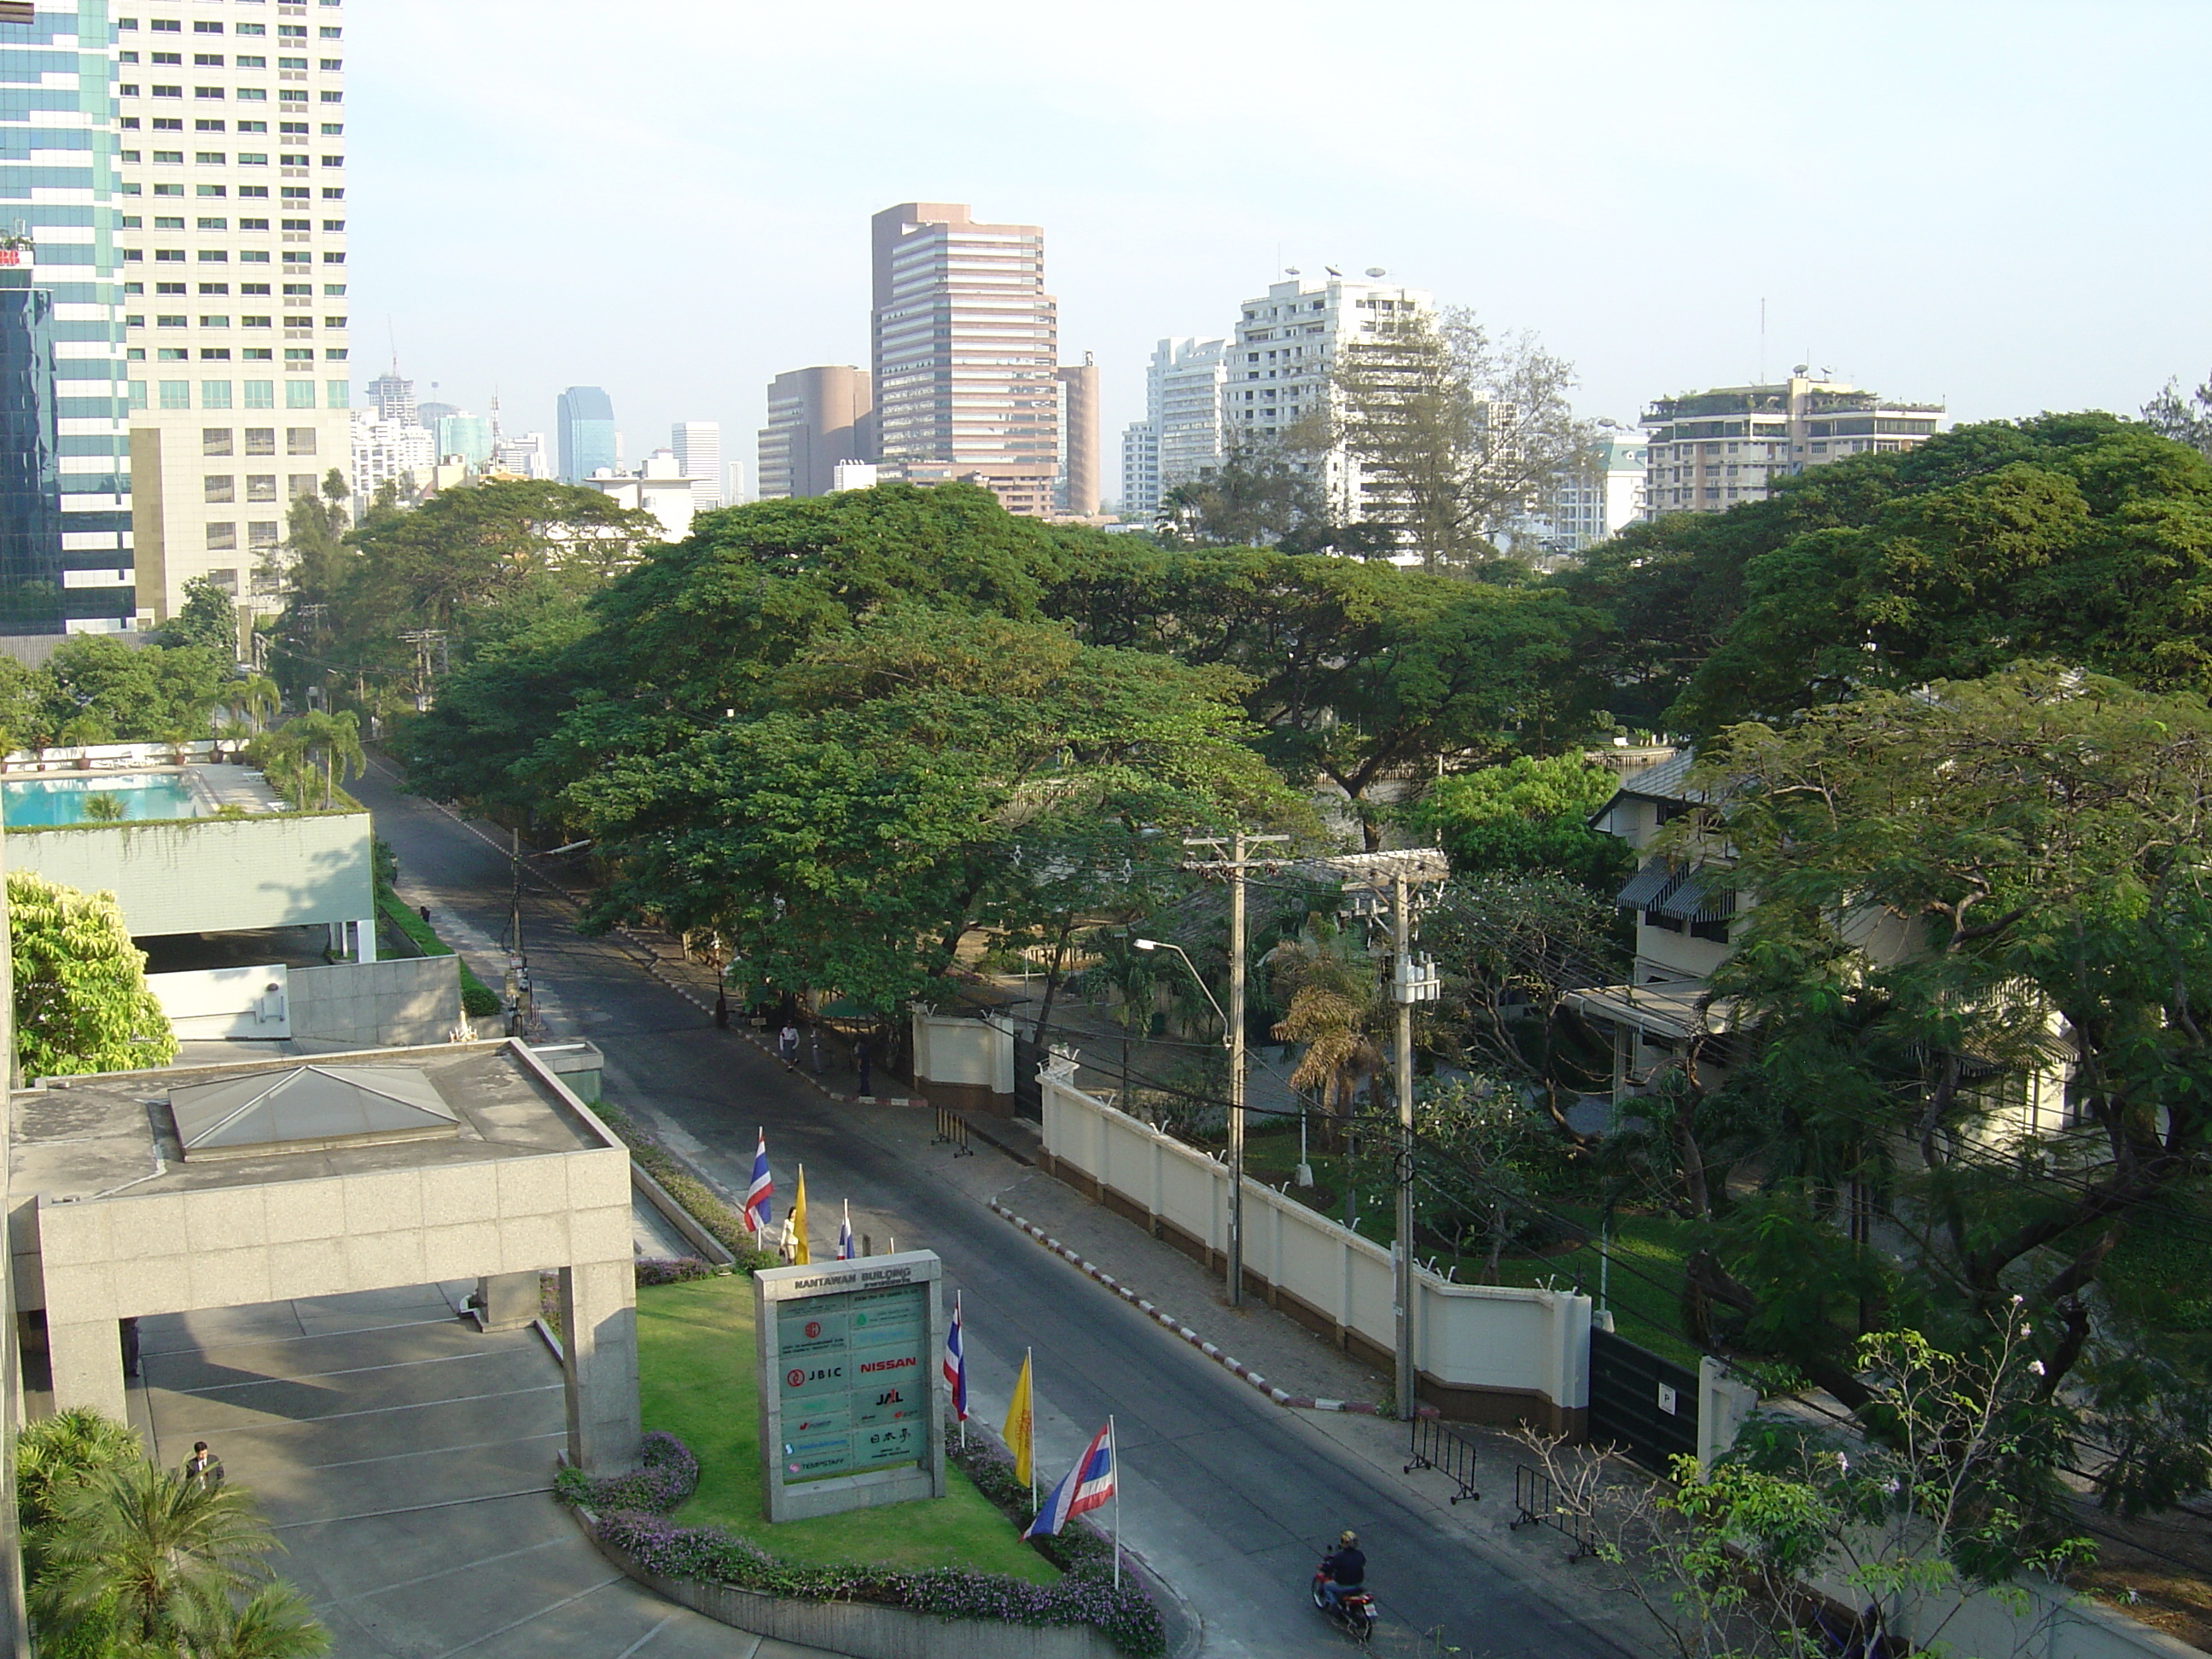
(850, 1413)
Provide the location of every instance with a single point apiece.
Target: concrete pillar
(88, 1366)
(598, 1335)
(507, 1301)
(365, 939)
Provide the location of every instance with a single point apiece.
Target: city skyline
(1524, 173)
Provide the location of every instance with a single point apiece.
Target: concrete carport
(467, 1162)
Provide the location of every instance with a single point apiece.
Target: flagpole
(959, 1317)
(1028, 1365)
(1114, 1453)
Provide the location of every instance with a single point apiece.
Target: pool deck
(213, 787)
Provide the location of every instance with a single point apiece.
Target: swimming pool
(45, 801)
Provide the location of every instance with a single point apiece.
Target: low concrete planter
(864, 1630)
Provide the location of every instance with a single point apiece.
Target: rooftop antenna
(1762, 340)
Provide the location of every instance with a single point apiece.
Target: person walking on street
(786, 1045)
(203, 1468)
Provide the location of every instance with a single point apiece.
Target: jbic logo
(796, 1378)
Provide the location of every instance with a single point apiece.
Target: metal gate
(1029, 1093)
(1646, 1405)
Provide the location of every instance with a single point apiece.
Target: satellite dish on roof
(1290, 271)
(1376, 271)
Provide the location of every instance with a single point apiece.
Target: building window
(301, 440)
(261, 440)
(176, 394)
(219, 488)
(338, 394)
(262, 534)
(261, 486)
(214, 394)
(215, 441)
(223, 537)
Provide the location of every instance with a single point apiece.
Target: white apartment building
(1140, 470)
(1278, 363)
(661, 486)
(231, 241)
(697, 446)
(526, 456)
(383, 452)
(1710, 450)
(1586, 503)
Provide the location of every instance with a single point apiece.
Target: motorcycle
(1353, 1612)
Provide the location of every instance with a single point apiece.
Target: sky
(1999, 206)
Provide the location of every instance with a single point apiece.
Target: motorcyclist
(1346, 1569)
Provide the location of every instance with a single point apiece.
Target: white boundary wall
(1486, 1353)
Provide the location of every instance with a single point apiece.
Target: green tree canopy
(207, 620)
(1527, 814)
(1959, 892)
(82, 1003)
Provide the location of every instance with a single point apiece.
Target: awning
(1648, 884)
(1703, 894)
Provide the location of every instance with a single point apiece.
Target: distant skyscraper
(428, 414)
(393, 397)
(1080, 458)
(1710, 450)
(584, 421)
(468, 436)
(65, 556)
(736, 493)
(1180, 437)
(817, 417)
(524, 456)
(698, 448)
(965, 349)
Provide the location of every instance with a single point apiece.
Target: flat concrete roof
(88, 1137)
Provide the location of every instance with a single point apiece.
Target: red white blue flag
(956, 1367)
(845, 1234)
(760, 1205)
(1085, 1487)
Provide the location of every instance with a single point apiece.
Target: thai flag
(956, 1367)
(760, 1207)
(845, 1235)
(1085, 1487)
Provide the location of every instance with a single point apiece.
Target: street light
(1232, 1039)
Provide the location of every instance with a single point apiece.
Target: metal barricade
(952, 1131)
(1537, 1501)
(1437, 1445)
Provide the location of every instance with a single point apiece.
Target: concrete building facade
(1286, 342)
(1140, 470)
(1710, 450)
(1585, 504)
(817, 417)
(1180, 438)
(965, 353)
(233, 248)
(1081, 420)
(659, 486)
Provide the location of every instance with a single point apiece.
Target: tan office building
(230, 242)
(1710, 450)
(817, 417)
(966, 354)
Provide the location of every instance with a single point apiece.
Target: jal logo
(893, 1397)
(813, 1328)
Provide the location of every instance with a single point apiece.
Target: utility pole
(1234, 867)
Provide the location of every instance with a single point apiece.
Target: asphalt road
(1227, 1496)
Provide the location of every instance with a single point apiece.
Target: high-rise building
(965, 352)
(524, 456)
(1080, 420)
(736, 492)
(1277, 380)
(388, 452)
(392, 395)
(1710, 450)
(468, 436)
(697, 446)
(233, 255)
(66, 559)
(585, 423)
(817, 417)
(1140, 470)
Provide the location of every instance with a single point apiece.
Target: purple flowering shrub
(632, 1514)
(670, 1474)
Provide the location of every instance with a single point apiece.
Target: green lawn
(695, 1355)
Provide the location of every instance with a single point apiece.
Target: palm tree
(274, 1623)
(83, 730)
(255, 700)
(153, 1552)
(1333, 1005)
(292, 754)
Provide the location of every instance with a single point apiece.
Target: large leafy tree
(207, 619)
(1959, 890)
(917, 777)
(82, 1003)
(144, 693)
(1257, 497)
(1528, 814)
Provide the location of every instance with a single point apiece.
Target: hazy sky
(1999, 206)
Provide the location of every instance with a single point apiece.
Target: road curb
(1168, 1322)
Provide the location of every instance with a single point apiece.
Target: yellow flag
(1020, 1421)
(800, 1255)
